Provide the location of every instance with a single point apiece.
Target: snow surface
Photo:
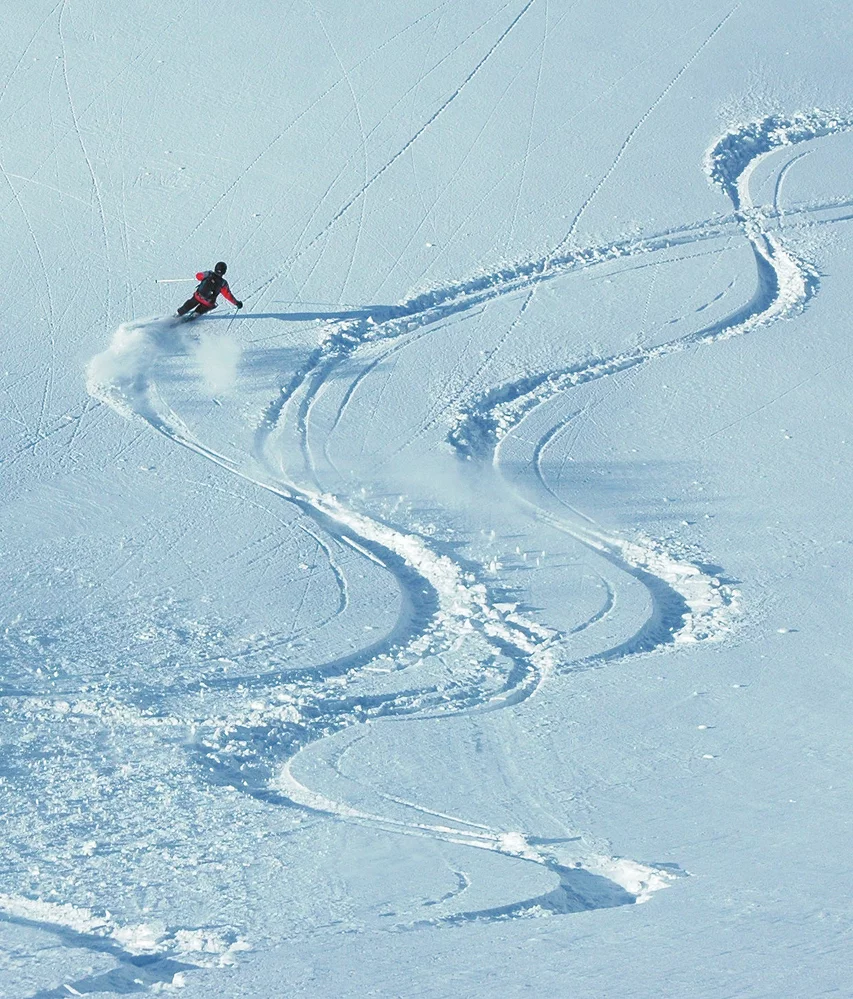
(489, 572)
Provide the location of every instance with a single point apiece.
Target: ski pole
(231, 322)
(172, 280)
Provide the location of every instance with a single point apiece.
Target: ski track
(445, 604)
(780, 180)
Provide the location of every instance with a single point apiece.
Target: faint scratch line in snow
(389, 163)
(538, 455)
(781, 395)
(641, 329)
(340, 578)
(623, 148)
(259, 156)
(432, 812)
(526, 157)
(96, 187)
(363, 141)
(51, 321)
(27, 48)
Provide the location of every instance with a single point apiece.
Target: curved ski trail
(784, 286)
(446, 603)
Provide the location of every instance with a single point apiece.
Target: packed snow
(488, 573)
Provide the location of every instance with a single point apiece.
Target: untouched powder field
(469, 614)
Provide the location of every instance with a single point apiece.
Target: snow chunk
(54, 913)
(144, 938)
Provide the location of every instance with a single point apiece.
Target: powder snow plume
(218, 357)
(117, 374)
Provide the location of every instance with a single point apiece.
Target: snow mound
(132, 940)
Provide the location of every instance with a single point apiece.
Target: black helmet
(221, 267)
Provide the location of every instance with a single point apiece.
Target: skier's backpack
(210, 286)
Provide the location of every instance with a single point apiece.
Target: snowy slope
(488, 573)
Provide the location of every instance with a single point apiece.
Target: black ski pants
(194, 303)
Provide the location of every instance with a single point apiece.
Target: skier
(212, 284)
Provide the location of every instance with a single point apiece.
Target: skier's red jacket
(224, 290)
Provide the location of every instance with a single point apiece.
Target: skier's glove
(239, 305)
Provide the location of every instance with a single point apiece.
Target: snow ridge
(784, 286)
(119, 377)
(588, 880)
(785, 282)
(148, 954)
(507, 655)
(733, 157)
